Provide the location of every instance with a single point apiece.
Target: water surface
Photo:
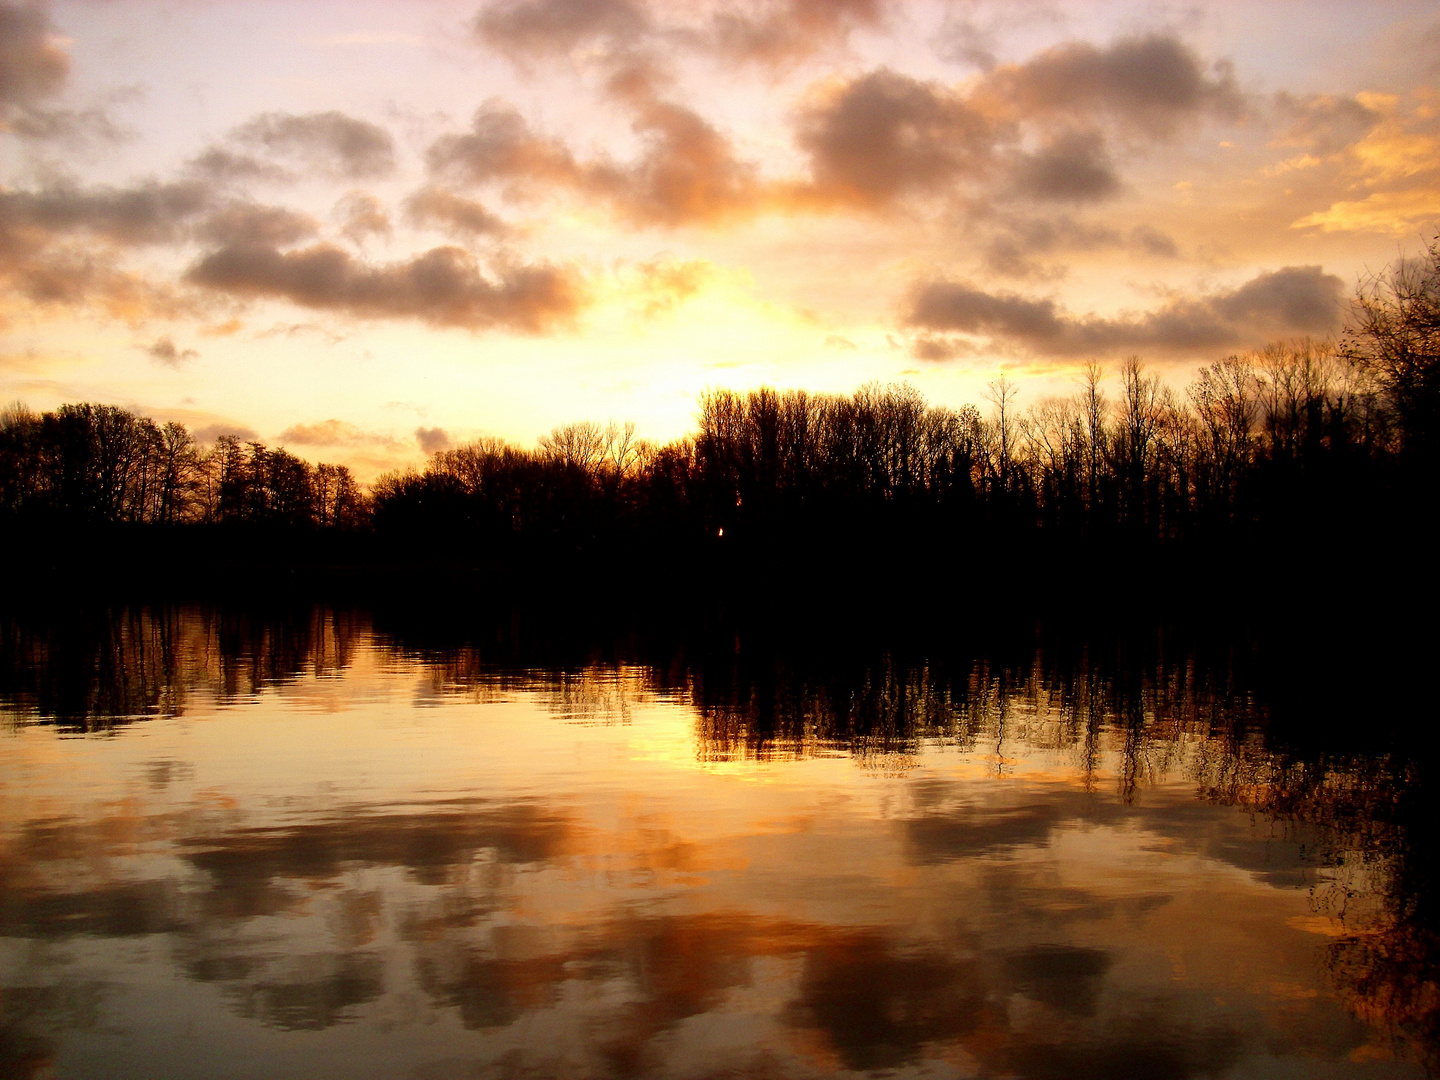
(320, 845)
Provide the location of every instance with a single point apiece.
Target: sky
(370, 230)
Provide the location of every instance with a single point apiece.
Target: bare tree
(623, 450)
(1395, 336)
(1002, 393)
(1095, 410)
(581, 446)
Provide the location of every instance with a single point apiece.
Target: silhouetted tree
(1394, 335)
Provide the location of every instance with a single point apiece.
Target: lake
(329, 841)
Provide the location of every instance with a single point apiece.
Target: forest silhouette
(1313, 445)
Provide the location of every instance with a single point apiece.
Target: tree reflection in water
(1008, 985)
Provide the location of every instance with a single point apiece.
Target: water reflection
(335, 842)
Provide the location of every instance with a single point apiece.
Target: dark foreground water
(327, 843)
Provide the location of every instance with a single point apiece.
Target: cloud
(1013, 248)
(686, 173)
(501, 146)
(1398, 213)
(664, 284)
(1294, 299)
(789, 31)
(62, 245)
(956, 306)
(443, 286)
(1007, 256)
(453, 213)
(333, 433)
(549, 27)
(208, 433)
(1074, 167)
(772, 33)
(33, 61)
(164, 351)
(872, 140)
(884, 135)
(148, 213)
(226, 166)
(75, 125)
(1390, 173)
(1152, 83)
(1152, 241)
(938, 349)
(432, 439)
(70, 277)
(1323, 123)
(362, 216)
(292, 330)
(337, 144)
(244, 222)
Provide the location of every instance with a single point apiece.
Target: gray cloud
(1152, 241)
(1153, 82)
(790, 30)
(227, 166)
(1297, 298)
(884, 135)
(948, 305)
(164, 351)
(148, 213)
(442, 287)
(1009, 256)
(244, 222)
(501, 146)
(966, 41)
(432, 439)
(1074, 167)
(938, 349)
(1024, 237)
(75, 125)
(33, 63)
(45, 259)
(330, 141)
(1294, 299)
(545, 27)
(1013, 249)
(453, 213)
(871, 141)
(772, 33)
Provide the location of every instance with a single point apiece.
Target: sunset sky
(364, 230)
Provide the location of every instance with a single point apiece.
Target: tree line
(1301, 437)
(90, 464)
